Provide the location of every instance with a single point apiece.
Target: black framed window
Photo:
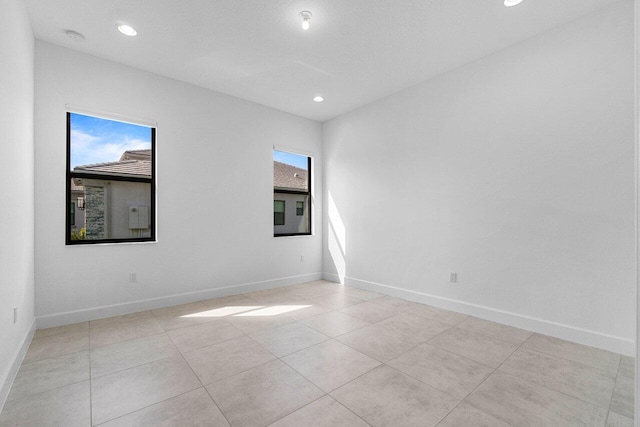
(292, 187)
(278, 212)
(111, 174)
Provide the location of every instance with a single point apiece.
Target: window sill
(85, 244)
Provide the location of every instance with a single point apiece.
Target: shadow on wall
(337, 240)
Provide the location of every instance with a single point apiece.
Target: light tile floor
(316, 354)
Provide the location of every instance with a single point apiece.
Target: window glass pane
(110, 180)
(290, 172)
(109, 147)
(291, 187)
(112, 209)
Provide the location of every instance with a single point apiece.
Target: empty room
(314, 213)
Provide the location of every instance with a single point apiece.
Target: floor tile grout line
(479, 385)
(315, 400)
(547, 387)
(189, 326)
(147, 406)
(217, 406)
(606, 421)
(127, 340)
(470, 331)
(54, 388)
(297, 409)
(59, 333)
(163, 400)
(494, 371)
(137, 365)
(293, 352)
(431, 385)
(571, 360)
(53, 357)
(45, 391)
(240, 372)
(204, 346)
(356, 378)
(613, 391)
(331, 391)
(446, 351)
(484, 334)
(203, 386)
(310, 381)
(145, 363)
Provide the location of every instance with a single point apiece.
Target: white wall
(215, 187)
(515, 171)
(16, 188)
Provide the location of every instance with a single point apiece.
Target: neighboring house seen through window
(110, 181)
(291, 194)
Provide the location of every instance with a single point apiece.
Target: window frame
(307, 193)
(88, 175)
(299, 209)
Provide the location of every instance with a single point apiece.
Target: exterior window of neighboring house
(111, 178)
(291, 194)
(278, 212)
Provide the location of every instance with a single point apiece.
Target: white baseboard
(10, 376)
(94, 313)
(567, 332)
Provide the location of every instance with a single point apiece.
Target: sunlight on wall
(337, 239)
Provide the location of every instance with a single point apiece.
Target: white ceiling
(356, 51)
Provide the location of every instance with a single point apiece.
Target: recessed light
(127, 30)
(318, 98)
(74, 35)
(510, 3)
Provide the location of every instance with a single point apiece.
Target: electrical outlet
(133, 278)
(453, 277)
(301, 258)
(15, 315)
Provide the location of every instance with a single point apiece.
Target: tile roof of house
(287, 177)
(136, 155)
(121, 168)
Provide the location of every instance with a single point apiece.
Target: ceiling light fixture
(318, 98)
(306, 17)
(127, 30)
(510, 3)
